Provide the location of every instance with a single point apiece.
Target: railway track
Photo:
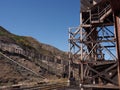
(46, 86)
(49, 86)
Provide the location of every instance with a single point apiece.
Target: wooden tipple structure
(95, 45)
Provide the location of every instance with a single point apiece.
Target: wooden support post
(117, 29)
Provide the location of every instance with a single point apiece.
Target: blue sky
(45, 20)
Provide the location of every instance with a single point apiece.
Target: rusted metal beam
(102, 87)
(117, 28)
(103, 75)
(116, 10)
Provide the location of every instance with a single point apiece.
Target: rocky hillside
(29, 43)
(26, 59)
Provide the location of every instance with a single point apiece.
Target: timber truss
(92, 47)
